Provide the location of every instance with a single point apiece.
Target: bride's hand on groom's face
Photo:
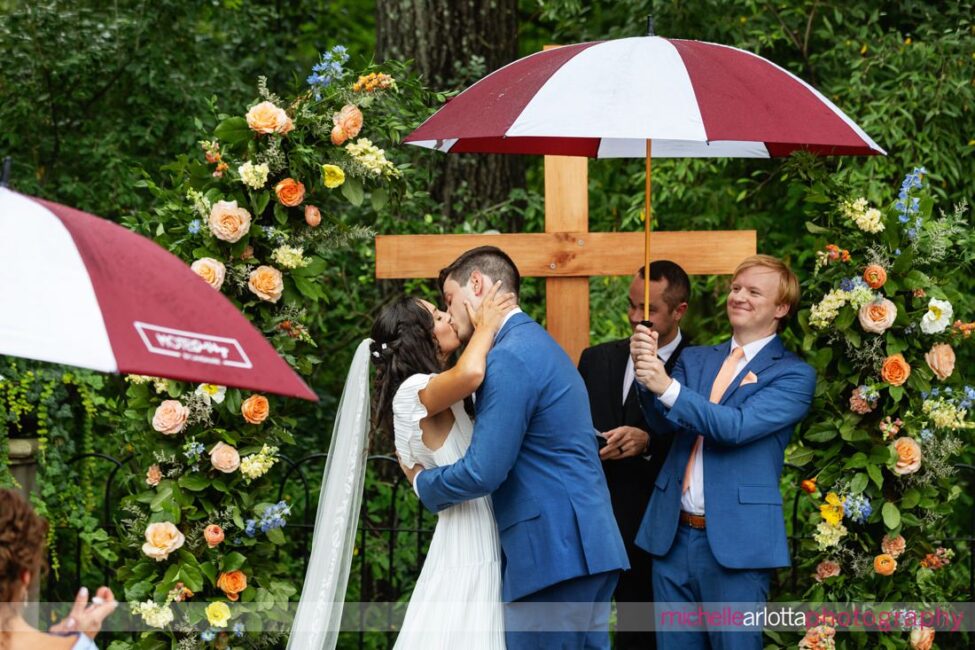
(493, 308)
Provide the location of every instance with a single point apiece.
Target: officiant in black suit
(631, 456)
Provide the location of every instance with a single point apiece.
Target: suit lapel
(768, 355)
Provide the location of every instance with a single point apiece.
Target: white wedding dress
(457, 599)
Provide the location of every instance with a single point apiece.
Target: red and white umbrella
(643, 97)
(83, 291)
(606, 99)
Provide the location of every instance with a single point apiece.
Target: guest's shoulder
(607, 348)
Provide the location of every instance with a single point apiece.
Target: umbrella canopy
(606, 99)
(83, 291)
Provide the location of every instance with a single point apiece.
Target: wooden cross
(567, 254)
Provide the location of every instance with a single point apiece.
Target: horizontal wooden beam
(566, 254)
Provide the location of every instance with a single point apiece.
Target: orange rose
(895, 370)
(893, 546)
(826, 569)
(170, 417)
(290, 192)
(338, 136)
(808, 486)
(349, 120)
(908, 456)
(213, 534)
(268, 118)
(231, 583)
(255, 409)
(884, 564)
(313, 216)
(922, 638)
(877, 316)
(875, 276)
(153, 475)
(941, 360)
(267, 283)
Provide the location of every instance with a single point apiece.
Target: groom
(534, 452)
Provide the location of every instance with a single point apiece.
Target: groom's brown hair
(489, 260)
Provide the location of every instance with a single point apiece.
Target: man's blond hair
(788, 282)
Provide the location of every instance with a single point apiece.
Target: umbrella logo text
(192, 346)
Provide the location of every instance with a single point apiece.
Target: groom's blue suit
(534, 452)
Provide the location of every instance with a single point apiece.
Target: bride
(457, 599)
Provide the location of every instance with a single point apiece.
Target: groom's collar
(504, 321)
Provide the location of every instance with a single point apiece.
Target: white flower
(289, 257)
(827, 535)
(371, 157)
(158, 616)
(938, 317)
(252, 175)
(823, 313)
(867, 219)
(211, 392)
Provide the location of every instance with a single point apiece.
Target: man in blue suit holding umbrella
(714, 524)
(535, 452)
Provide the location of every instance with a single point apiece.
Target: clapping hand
(87, 618)
(647, 366)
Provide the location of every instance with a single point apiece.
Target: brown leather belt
(694, 521)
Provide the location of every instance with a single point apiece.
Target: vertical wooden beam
(567, 210)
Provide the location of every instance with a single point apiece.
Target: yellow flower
(333, 175)
(218, 614)
(832, 510)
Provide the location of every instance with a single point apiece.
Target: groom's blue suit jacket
(745, 436)
(534, 452)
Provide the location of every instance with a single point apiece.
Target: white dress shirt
(692, 501)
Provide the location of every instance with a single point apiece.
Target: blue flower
(897, 251)
(846, 284)
(238, 629)
(926, 435)
(911, 233)
(249, 528)
(194, 226)
(857, 508)
(903, 218)
(208, 635)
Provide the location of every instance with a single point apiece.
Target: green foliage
(890, 417)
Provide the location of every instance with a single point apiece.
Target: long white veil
(316, 623)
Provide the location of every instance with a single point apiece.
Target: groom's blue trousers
(570, 615)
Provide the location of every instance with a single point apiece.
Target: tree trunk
(454, 43)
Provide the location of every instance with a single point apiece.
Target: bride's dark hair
(403, 344)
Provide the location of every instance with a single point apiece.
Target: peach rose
(893, 546)
(267, 283)
(895, 370)
(877, 316)
(908, 456)
(884, 564)
(211, 270)
(268, 118)
(153, 475)
(228, 222)
(213, 534)
(290, 192)
(313, 216)
(941, 360)
(255, 409)
(338, 136)
(248, 253)
(818, 638)
(875, 276)
(826, 569)
(231, 583)
(224, 458)
(349, 121)
(170, 417)
(288, 127)
(922, 638)
(162, 538)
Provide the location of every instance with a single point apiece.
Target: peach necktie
(720, 385)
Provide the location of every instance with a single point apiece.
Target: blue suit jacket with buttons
(745, 436)
(534, 451)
